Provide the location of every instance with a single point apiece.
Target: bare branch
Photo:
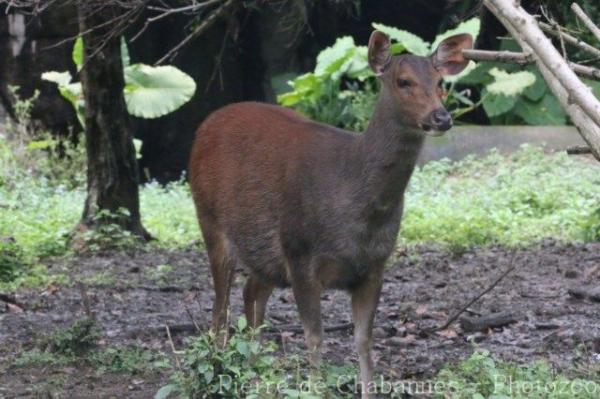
(522, 59)
(572, 40)
(587, 21)
(499, 56)
(206, 23)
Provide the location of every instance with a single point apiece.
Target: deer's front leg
(365, 298)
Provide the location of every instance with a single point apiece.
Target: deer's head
(415, 83)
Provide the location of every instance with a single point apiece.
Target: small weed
(73, 341)
(100, 279)
(159, 273)
(122, 360)
(246, 367)
(108, 234)
(210, 368)
(12, 260)
(37, 358)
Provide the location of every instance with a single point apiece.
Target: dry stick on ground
(575, 97)
(579, 150)
(587, 21)
(295, 328)
(523, 59)
(455, 316)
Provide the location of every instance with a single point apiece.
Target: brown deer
(307, 205)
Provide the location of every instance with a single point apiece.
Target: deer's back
(260, 173)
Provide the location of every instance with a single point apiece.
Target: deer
(301, 204)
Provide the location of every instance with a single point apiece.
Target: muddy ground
(134, 295)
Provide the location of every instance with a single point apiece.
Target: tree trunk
(112, 175)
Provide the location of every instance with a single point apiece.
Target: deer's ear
(448, 57)
(380, 55)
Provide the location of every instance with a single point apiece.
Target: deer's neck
(389, 150)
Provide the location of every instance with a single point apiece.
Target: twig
(587, 21)
(455, 316)
(189, 313)
(572, 40)
(173, 347)
(524, 59)
(207, 23)
(499, 56)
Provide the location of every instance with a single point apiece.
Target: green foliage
(27, 151)
(481, 376)
(342, 90)
(72, 341)
(132, 360)
(591, 228)
(12, 260)
(243, 366)
(150, 92)
(513, 200)
(210, 368)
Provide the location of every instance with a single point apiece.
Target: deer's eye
(403, 83)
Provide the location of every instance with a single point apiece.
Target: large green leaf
(509, 84)
(411, 42)
(357, 66)
(537, 90)
(497, 104)
(548, 111)
(151, 92)
(471, 26)
(332, 58)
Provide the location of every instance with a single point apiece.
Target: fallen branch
(451, 319)
(295, 328)
(587, 21)
(484, 323)
(579, 150)
(523, 59)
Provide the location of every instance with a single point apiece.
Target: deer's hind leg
(222, 266)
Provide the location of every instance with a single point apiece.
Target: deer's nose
(441, 119)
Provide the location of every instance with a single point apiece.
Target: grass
(510, 200)
(482, 376)
(505, 200)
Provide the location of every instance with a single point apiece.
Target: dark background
(235, 60)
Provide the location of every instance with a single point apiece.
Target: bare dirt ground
(132, 304)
